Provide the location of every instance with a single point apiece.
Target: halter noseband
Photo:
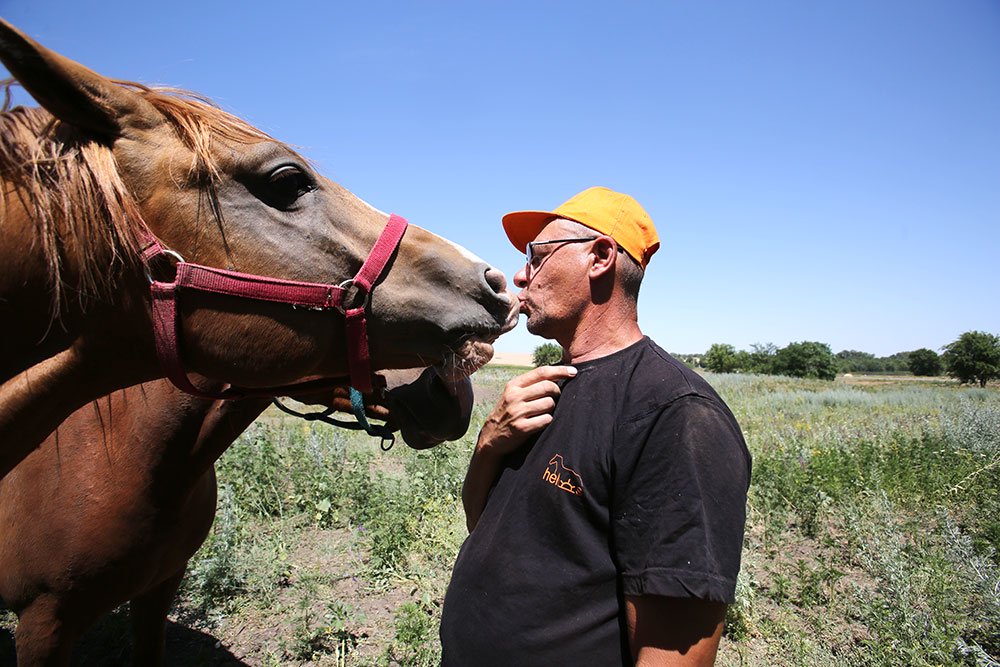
(317, 296)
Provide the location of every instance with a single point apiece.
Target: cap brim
(523, 226)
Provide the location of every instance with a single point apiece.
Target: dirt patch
(512, 359)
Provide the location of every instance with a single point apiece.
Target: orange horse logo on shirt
(563, 478)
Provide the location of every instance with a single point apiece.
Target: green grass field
(872, 537)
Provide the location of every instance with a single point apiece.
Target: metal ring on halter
(165, 251)
(346, 285)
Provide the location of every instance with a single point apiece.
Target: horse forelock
(70, 184)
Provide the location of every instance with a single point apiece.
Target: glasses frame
(529, 253)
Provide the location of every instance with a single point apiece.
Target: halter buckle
(351, 291)
(163, 251)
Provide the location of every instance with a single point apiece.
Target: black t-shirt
(637, 487)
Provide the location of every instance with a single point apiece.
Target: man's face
(554, 285)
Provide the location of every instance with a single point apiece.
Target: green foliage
(872, 536)
(925, 362)
(854, 361)
(974, 357)
(314, 637)
(214, 577)
(720, 358)
(416, 636)
(807, 359)
(760, 359)
(547, 354)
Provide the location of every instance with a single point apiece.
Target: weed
(415, 644)
(314, 637)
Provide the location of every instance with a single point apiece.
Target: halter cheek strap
(343, 297)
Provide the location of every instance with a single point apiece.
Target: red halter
(262, 288)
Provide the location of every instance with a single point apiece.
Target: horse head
(221, 193)
(104, 166)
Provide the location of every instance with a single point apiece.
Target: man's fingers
(544, 373)
(538, 406)
(528, 425)
(538, 390)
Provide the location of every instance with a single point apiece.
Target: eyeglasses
(533, 262)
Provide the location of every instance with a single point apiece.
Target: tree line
(974, 357)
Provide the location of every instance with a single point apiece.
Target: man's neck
(601, 333)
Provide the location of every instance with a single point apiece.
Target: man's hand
(524, 408)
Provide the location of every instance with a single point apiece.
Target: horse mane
(69, 183)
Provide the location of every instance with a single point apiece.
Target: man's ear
(605, 254)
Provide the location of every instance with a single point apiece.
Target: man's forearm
(483, 470)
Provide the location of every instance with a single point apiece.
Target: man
(605, 499)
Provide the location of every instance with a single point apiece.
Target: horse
(113, 194)
(110, 508)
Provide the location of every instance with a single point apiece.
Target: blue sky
(817, 170)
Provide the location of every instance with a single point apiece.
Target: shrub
(807, 359)
(547, 354)
(720, 358)
(925, 362)
(974, 357)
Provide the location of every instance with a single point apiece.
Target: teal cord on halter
(362, 424)
(382, 431)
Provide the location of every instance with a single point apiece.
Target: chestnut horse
(111, 507)
(88, 178)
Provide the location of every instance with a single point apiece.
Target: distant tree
(689, 360)
(855, 361)
(974, 357)
(742, 362)
(761, 358)
(807, 359)
(720, 358)
(896, 363)
(547, 354)
(925, 362)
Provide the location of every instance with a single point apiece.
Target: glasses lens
(531, 259)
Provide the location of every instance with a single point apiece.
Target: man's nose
(521, 278)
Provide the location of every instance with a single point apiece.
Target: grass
(872, 537)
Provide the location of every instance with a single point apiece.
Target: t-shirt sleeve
(680, 478)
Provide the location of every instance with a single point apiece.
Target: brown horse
(85, 179)
(111, 507)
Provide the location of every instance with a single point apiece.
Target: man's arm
(673, 632)
(524, 408)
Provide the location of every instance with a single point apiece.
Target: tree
(720, 358)
(974, 357)
(925, 362)
(807, 359)
(547, 354)
(855, 361)
(761, 358)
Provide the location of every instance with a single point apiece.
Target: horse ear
(71, 92)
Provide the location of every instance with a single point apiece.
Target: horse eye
(285, 185)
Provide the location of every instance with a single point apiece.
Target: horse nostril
(496, 280)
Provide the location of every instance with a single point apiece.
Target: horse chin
(467, 359)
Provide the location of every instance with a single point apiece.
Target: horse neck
(171, 438)
(34, 402)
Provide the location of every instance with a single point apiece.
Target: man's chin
(537, 326)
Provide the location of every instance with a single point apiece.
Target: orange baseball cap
(606, 211)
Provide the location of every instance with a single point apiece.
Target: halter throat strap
(351, 298)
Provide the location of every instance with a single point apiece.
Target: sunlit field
(872, 537)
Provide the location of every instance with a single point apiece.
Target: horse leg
(148, 613)
(41, 637)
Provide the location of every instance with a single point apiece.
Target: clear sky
(824, 170)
